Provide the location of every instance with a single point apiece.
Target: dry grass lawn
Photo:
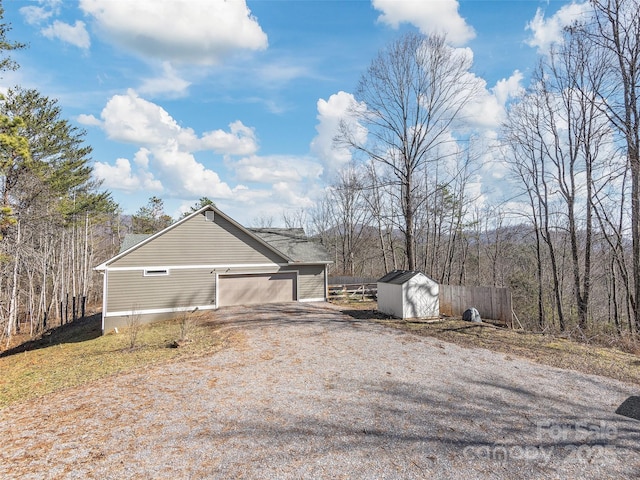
(76, 353)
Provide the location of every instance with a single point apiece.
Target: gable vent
(209, 215)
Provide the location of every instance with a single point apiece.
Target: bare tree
(295, 218)
(617, 31)
(262, 221)
(414, 91)
(377, 199)
(527, 160)
(350, 215)
(556, 133)
(577, 128)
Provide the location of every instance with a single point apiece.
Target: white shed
(406, 294)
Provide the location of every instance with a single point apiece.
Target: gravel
(313, 393)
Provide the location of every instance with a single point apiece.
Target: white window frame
(156, 272)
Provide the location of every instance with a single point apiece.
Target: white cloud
(431, 17)
(141, 158)
(89, 120)
(272, 169)
(35, 15)
(75, 35)
(183, 176)
(330, 113)
(509, 87)
(180, 31)
(241, 140)
(547, 31)
(129, 118)
(132, 119)
(488, 109)
(169, 82)
(291, 198)
(121, 177)
(166, 149)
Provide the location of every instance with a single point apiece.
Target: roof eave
(322, 262)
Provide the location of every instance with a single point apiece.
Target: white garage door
(247, 289)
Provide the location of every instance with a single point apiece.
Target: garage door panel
(247, 289)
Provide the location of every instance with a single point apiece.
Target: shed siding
(420, 298)
(200, 242)
(415, 297)
(390, 299)
(130, 290)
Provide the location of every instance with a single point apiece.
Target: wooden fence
(361, 291)
(492, 303)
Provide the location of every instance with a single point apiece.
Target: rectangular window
(155, 272)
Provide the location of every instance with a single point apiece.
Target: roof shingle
(294, 244)
(398, 277)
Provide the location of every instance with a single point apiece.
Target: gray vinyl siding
(131, 290)
(200, 242)
(310, 281)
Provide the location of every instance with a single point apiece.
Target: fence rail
(364, 291)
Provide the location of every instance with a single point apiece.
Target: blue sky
(239, 101)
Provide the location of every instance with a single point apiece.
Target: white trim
(255, 272)
(326, 284)
(303, 300)
(196, 267)
(159, 310)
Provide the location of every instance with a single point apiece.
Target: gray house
(208, 260)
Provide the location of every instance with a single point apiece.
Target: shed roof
(398, 277)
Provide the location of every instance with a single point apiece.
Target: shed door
(246, 289)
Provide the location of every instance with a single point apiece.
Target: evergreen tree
(151, 218)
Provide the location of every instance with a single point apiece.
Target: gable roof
(291, 244)
(398, 277)
(294, 244)
(131, 239)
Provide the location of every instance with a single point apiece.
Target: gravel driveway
(313, 393)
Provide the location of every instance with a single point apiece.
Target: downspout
(104, 296)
